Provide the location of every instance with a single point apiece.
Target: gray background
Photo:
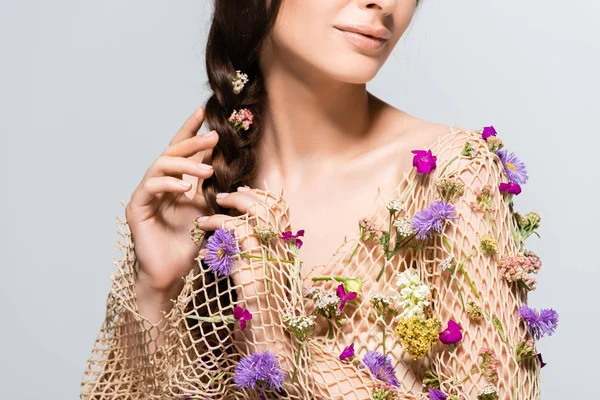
(92, 91)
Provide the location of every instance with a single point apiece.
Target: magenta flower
(424, 161)
(435, 394)
(344, 297)
(347, 352)
(510, 187)
(452, 334)
(487, 132)
(542, 363)
(287, 235)
(242, 315)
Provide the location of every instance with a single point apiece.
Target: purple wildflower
(259, 371)
(539, 324)
(487, 132)
(221, 247)
(430, 220)
(542, 363)
(424, 161)
(452, 334)
(435, 394)
(347, 352)
(241, 315)
(515, 168)
(510, 187)
(381, 367)
(287, 235)
(344, 297)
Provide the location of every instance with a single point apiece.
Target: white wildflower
(412, 295)
(448, 263)
(403, 227)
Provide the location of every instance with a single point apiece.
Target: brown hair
(237, 32)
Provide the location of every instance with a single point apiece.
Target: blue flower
(259, 371)
(221, 246)
(539, 324)
(515, 168)
(431, 220)
(381, 367)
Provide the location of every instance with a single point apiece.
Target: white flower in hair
(239, 81)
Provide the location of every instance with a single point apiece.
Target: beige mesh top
(457, 270)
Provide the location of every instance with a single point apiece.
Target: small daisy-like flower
(452, 334)
(448, 263)
(347, 352)
(510, 187)
(381, 367)
(424, 160)
(327, 303)
(474, 311)
(287, 235)
(487, 132)
(515, 168)
(488, 245)
(395, 206)
(381, 302)
(435, 394)
(239, 81)
(449, 189)
(416, 335)
(242, 315)
(221, 248)
(494, 144)
(299, 325)
(490, 392)
(241, 119)
(259, 371)
(539, 324)
(431, 220)
(527, 224)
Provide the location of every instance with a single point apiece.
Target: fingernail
(204, 167)
(200, 219)
(199, 112)
(221, 195)
(243, 188)
(211, 133)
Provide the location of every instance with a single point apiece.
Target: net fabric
(183, 357)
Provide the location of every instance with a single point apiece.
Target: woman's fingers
(193, 145)
(146, 192)
(177, 166)
(190, 127)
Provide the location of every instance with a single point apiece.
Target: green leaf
(498, 325)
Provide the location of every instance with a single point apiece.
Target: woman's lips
(363, 41)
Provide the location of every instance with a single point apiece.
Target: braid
(238, 29)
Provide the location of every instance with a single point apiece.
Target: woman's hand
(161, 216)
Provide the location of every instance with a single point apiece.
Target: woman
(425, 300)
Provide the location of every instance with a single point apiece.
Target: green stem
(268, 258)
(329, 330)
(267, 271)
(383, 334)
(447, 165)
(353, 252)
(462, 300)
(297, 361)
(216, 377)
(446, 243)
(385, 261)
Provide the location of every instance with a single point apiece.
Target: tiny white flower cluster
(403, 227)
(299, 325)
(395, 205)
(488, 392)
(327, 303)
(239, 81)
(448, 263)
(412, 295)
